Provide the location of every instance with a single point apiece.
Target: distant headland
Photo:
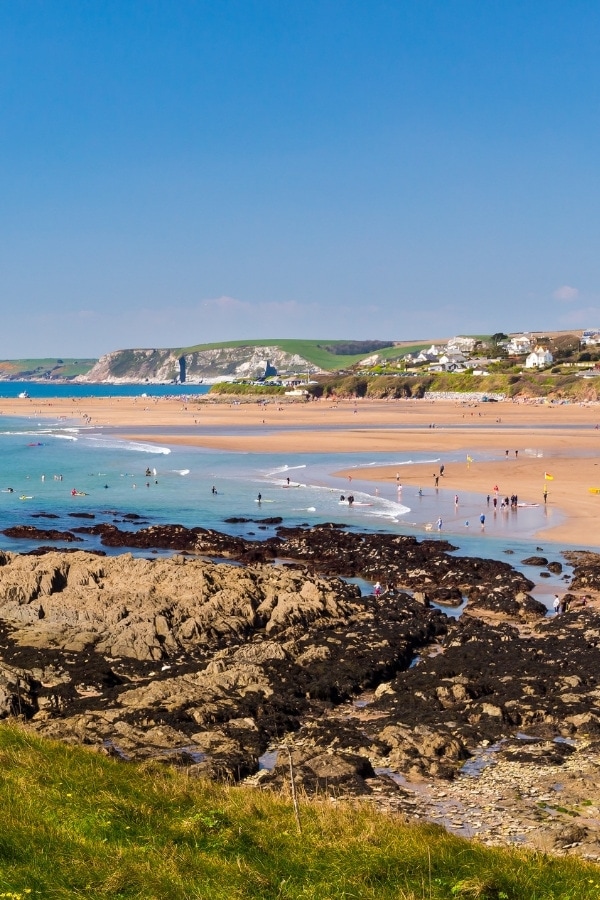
(563, 364)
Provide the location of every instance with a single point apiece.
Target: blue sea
(48, 389)
(43, 461)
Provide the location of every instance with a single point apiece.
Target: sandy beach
(560, 440)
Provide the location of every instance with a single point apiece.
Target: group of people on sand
(436, 477)
(511, 502)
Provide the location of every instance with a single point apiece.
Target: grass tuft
(74, 823)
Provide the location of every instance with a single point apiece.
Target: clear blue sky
(178, 172)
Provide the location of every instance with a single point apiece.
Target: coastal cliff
(217, 363)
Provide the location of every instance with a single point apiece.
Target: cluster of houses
(591, 337)
(459, 354)
(456, 355)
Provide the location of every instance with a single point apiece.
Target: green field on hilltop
(49, 368)
(74, 823)
(314, 352)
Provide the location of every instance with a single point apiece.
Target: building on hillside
(446, 367)
(430, 355)
(449, 362)
(590, 337)
(518, 344)
(455, 358)
(460, 345)
(538, 358)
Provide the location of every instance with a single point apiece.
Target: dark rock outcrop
(207, 665)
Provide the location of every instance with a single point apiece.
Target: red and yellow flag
(548, 476)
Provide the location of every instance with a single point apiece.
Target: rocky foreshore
(487, 723)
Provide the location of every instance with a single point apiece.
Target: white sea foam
(285, 468)
(279, 482)
(148, 448)
(388, 465)
(35, 433)
(181, 471)
(135, 446)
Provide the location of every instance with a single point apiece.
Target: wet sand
(561, 440)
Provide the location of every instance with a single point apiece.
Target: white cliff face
(123, 366)
(374, 360)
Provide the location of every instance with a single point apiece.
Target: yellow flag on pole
(548, 476)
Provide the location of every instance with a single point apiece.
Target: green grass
(76, 824)
(561, 387)
(260, 390)
(43, 368)
(313, 351)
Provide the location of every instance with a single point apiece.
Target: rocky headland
(273, 662)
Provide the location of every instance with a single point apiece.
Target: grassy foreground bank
(76, 824)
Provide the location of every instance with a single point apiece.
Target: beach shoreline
(521, 448)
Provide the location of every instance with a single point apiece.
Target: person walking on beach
(556, 604)
(436, 479)
(482, 520)
(259, 498)
(439, 524)
(377, 590)
(545, 494)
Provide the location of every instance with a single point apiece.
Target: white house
(461, 345)
(456, 358)
(590, 337)
(538, 358)
(519, 343)
(428, 355)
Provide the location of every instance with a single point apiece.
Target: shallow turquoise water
(298, 487)
(111, 472)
